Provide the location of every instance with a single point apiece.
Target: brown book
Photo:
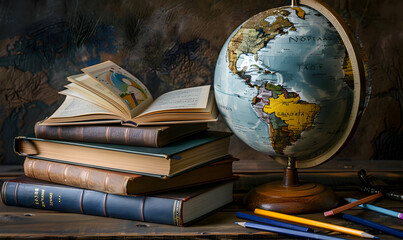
(149, 136)
(124, 183)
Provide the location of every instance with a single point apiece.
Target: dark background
(174, 44)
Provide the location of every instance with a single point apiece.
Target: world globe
(289, 83)
(285, 84)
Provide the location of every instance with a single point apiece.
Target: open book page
(131, 91)
(187, 98)
(93, 88)
(75, 91)
(73, 106)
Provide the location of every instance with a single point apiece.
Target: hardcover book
(106, 93)
(191, 152)
(148, 136)
(124, 183)
(178, 208)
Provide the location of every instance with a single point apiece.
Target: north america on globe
(283, 82)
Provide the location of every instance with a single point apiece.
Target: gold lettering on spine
(36, 196)
(43, 198)
(51, 199)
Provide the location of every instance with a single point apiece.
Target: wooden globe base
(290, 196)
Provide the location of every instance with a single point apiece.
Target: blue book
(194, 151)
(178, 208)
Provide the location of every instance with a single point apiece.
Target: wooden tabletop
(17, 222)
(22, 222)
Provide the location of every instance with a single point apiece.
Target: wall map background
(174, 44)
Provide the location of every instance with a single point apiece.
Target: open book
(106, 93)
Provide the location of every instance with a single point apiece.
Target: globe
(284, 84)
(289, 83)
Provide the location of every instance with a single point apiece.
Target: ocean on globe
(284, 83)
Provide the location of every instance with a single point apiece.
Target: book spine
(77, 176)
(75, 200)
(99, 134)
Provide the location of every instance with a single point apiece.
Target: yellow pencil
(313, 223)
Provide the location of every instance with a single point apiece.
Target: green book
(170, 160)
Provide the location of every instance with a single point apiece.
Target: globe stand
(290, 195)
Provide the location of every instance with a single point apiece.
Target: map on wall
(38, 52)
(169, 45)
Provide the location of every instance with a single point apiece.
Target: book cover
(106, 93)
(124, 183)
(176, 208)
(149, 136)
(195, 150)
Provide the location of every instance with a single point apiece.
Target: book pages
(94, 86)
(100, 93)
(76, 91)
(131, 91)
(76, 107)
(188, 98)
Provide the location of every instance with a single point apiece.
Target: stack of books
(99, 154)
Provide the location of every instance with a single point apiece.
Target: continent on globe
(288, 114)
(255, 34)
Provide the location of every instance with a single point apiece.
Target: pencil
(313, 223)
(377, 209)
(273, 222)
(374, 225)
(352, 204)
(286, 231)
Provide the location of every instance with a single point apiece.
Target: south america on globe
(284, 83)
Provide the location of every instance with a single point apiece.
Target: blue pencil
(377, 209)
(286, 231)
(273, 222)
(374, 225)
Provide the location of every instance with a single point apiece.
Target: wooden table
(16, 222)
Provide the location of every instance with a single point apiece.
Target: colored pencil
(286, 231)
(380, 227)
(352, 204)
(273, 222)
(313, 223)
(377, 209)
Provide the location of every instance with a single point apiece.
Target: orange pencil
(313, 223)
(352, 204)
